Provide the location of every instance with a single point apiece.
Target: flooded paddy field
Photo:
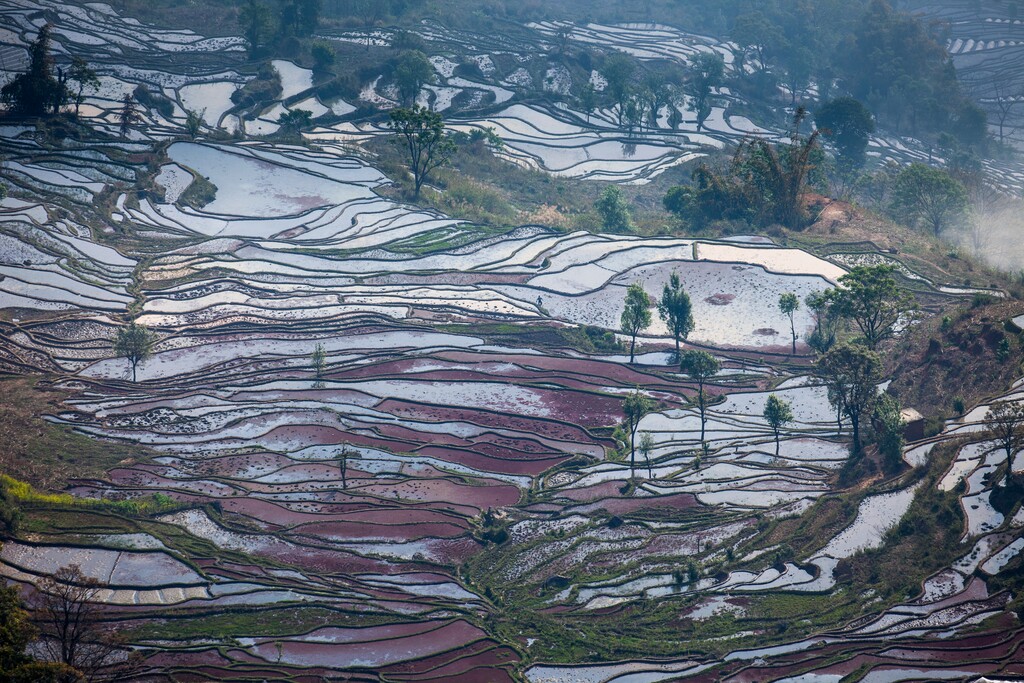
(442, 499)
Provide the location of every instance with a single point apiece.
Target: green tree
(618, 70)
(899, 65)
(777, 413)
(675, 310)
(827, 320)
(1004, 424)
(84, 77)
(851, 374)
(700, 366)
(754, 32)
(319, 363)
(412, 71)
(635, 407)
(135, 343)
(636, 315)
(889, 426)
(646, 448)
(194, 122)
(299, 17)
(789, 304)
(256, 22)
(923, 194)
(16, 634)
(15, 631)
(614, 211)
(707, 70)
(36, 92)
(588, 99)
(870, 297)
(799, 66)
(323, 55)
(295, 121)
(128, 115)
(847, 125)
(422, 133)
(775, 179)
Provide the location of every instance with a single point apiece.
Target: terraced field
(444, 501)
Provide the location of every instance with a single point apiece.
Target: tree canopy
(614, 211)
(636, 315)
(676, 310)
(700, 366)
(851, 373)
(789, 304)
(777, 413)
(927, 195)
(37, 92)
(412, 71)
(873, 301)
(705, 74)
(635, 406)
(135, 343)
(847, 125)
(422, 133)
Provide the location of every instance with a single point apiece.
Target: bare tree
(72, 631)
(1004, 424)
(1003, 97)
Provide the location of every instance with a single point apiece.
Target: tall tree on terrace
(646, 448)
(635, 407)
(135, 343)
(889, 426)
(1004, 424)
(129, 114)
(86, 79)
(827, 320)
(618, 71)
(344, 456)
(300, 17)
(851, 373)
(777, 413)
(36, 92)
(848, 125)
(706, 72)
(256, 23)
(636, 315)
(789, 304)
(412, 71)
(72, 631)
(675, 309)
(194, 122)
(754, 32)
(870, 297)
(923, 194)
(319, 363)
(422, 133)
(700, 366)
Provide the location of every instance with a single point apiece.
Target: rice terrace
(620, 341)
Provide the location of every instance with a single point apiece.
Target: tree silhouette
(778, 413)
(635, 406)
(135, 343)
(636, 315)
(422, 133)
(676, 310)
(700, 366)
